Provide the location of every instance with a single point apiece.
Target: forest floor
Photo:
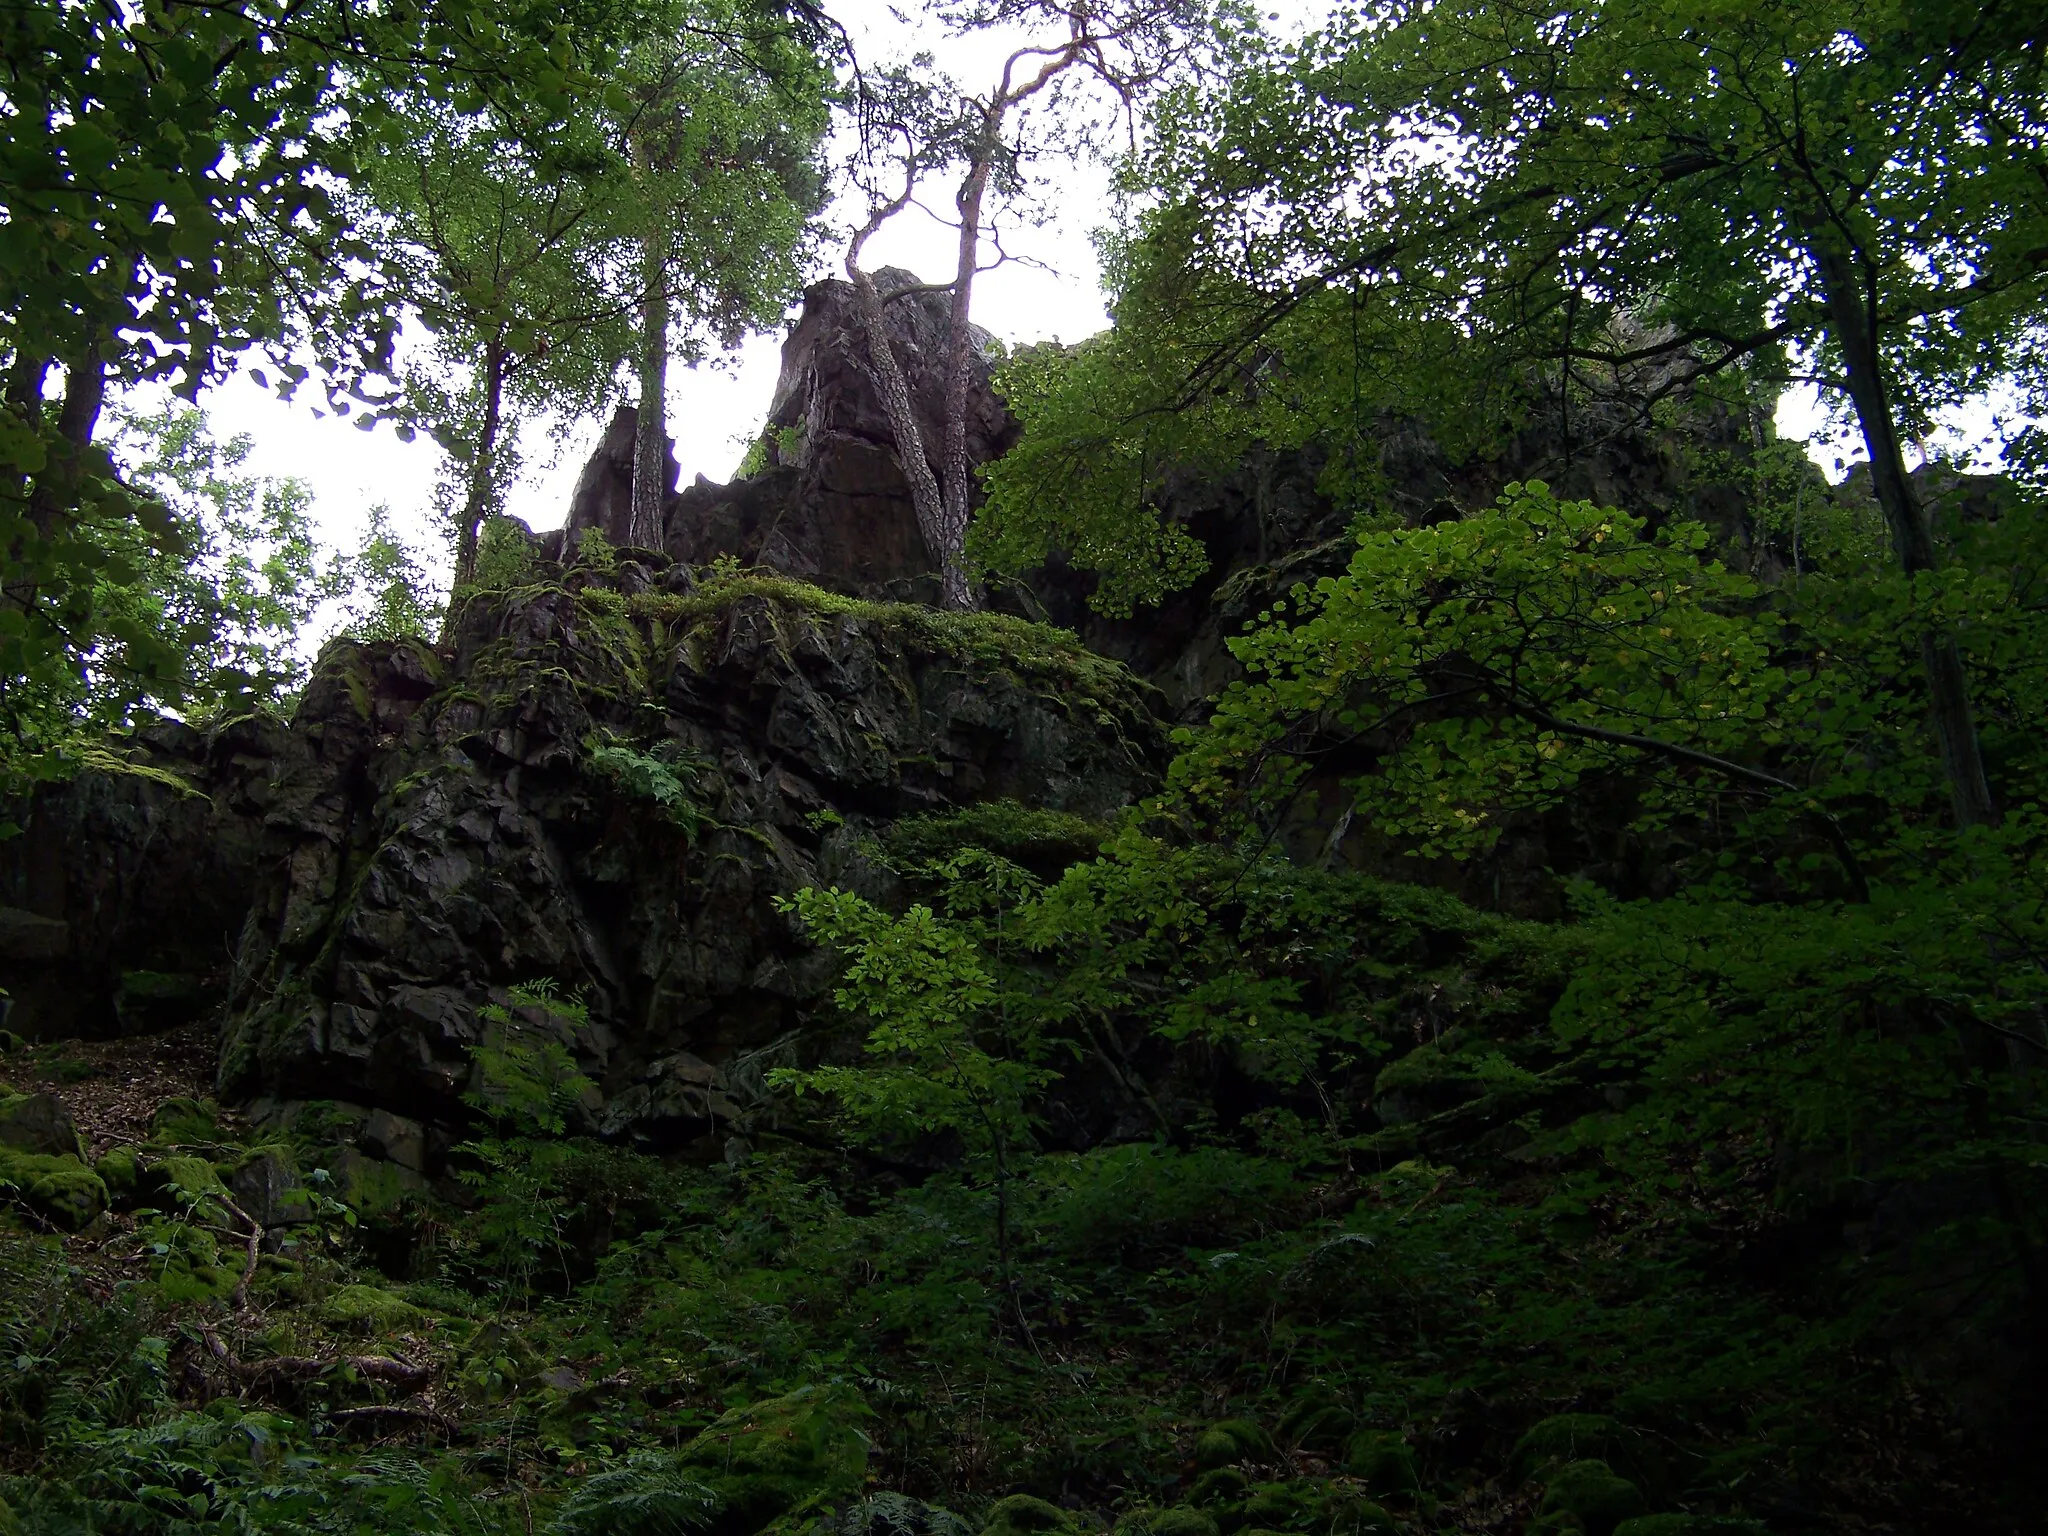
(1186, 1343)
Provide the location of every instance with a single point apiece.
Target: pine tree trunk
(895, 392)
(956, 588)
(1855, 330)
(650, 434)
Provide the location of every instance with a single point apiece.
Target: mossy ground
(1350, 1353)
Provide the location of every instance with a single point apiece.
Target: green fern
(645, 1497)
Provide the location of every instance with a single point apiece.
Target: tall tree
(1642, 193)
(719, 111)
(913, 129)
(171, 196)
(506, 253)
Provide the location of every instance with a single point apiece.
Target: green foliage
(1039, 839)
(784, 1457)
(645, 1497)
(1503, 659)
(1092, 461)
(667, 777)
(505, 556)
(945, 1057)
(394, 598)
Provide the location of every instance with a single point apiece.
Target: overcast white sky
(715, 410)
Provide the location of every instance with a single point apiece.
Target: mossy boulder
(1383, 1461)
(1275, 1505)
(189, 1266)
(785, 1456)
(1567, 1437)
(1231, 1441)
(120, 1169)
(1180, 1521)
(38, 1123)
(1023, 1515)
(1219, 1485)
(1316, 1421)
(182, 1121)
(1689, 1525)
(374, 1188)
(1594, 1492)
(59, 1189)
(369, 1309)
(187, 1181)
(266, 1184)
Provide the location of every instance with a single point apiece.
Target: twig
(240, 1298)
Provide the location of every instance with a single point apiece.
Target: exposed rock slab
(458, 860)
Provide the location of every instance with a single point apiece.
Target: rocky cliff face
(594, 793)
(569, 825)
(828, 503)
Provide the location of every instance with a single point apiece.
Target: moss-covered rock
(1219, 1485)
(189, 1182)
(188, 1264)
(1276, 1505)
(1594, 1492)
(1567, 1437)
(120, 1169)
(785, 1456)
(1231, 1441)
(266, 1185)
(39, 1123)
(372, 1187)
(182, 1121)
(1023, 1515)
(1383, 1461)
(1689, 1525)
(59, 1189)
(1180, 1521)
(369, 1309)
(1316, 1421)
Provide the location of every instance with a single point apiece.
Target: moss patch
(787, 1455)
(369, 1309)
(58, 1188)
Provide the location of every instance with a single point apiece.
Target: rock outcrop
(829, 504)
(569, 827)
(126, 887)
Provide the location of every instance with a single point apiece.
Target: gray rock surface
(466, 853)
(831, 506)
(121, 896)
(39, 1123)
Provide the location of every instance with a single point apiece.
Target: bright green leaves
(943, 1060)
(1086, 473)
(1490, 664)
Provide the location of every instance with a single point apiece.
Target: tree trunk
(483, 468)
(650, 434)
(956, 589)
(1851, 318)
(85, 391)
(895, 391)
(24, 400)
